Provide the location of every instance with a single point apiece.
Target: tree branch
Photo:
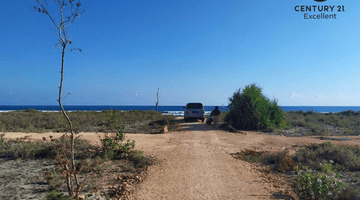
(47, 12)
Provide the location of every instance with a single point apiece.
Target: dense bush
(250, 109)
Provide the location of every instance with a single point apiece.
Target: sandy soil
(195, 162)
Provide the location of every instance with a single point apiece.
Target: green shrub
(319, 185)
(31, 110)
(350, 113)
(114, 148)
(250, 109)
(309, 112)
(299, 123)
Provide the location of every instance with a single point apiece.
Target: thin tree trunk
(157, 102)
(69, 165)
(72, 137)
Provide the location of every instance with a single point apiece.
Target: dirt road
(195, 162)
(196, 166)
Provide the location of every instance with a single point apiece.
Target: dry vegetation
(311, 123)
(97, 165)
(316, 171)
(85, 121)
(326, 171)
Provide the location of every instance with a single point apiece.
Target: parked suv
(194, 111)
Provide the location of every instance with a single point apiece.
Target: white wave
(180, 113)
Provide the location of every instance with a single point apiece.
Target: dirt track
(196, 165)
(195, 162)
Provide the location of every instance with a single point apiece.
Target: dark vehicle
(194, 111)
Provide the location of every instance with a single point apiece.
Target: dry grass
(312, 161)
(348, 122)
(84, 121)
(96, 168)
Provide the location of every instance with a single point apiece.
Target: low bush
(281, 161)
(342, 123)
(315, 155)
(322, 164)
(91, 162)
(115, 148)
(319, 185)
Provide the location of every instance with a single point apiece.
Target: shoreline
(177, 110)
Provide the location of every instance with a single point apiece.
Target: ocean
(172, 110)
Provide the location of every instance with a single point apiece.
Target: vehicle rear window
(194, 105)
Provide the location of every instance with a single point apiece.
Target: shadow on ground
(195, 125)
(282, 196)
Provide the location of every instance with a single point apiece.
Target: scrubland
(318, 170)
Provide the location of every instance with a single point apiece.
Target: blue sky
(194, 51)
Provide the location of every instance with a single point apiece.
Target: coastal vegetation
(316, 171)
(93, 163)
(296, 123)
(299, 123)
(250, 109)
(107, 121)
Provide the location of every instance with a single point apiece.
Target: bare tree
(157, 102)
(68, 12)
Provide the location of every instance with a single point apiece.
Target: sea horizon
(170, 109)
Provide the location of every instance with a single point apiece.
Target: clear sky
(194, 51)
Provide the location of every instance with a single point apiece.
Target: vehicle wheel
(202, 119)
